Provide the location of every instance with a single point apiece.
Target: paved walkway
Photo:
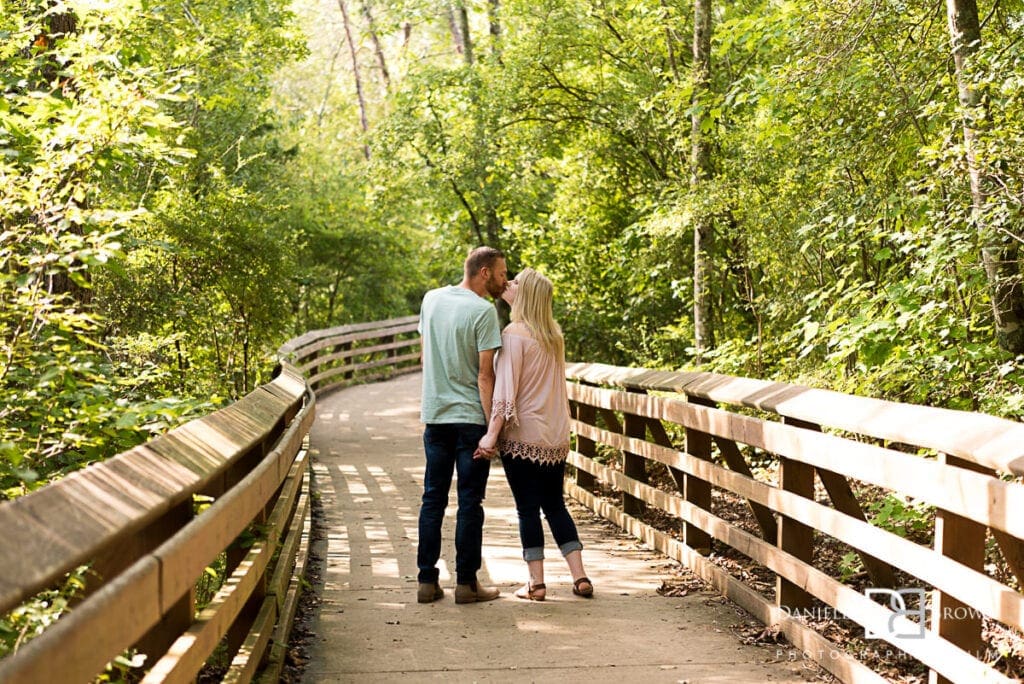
(369, 467)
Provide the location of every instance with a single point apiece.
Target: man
(460, 335)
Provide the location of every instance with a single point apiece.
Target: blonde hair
(532, 307)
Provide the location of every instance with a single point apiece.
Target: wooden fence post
(585, 413)
(390, 353)
(660, 436)
(347, 361)
(695, 490)
(795, 537)
(844, 500)
(963, 540)
(237, 552)
(634, 465)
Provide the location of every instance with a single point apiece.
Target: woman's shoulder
(517, 329)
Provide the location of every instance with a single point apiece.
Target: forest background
(827, 192)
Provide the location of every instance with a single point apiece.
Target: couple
(523, 392)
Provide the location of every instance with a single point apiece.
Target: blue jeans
(449, 448)
(537, 487)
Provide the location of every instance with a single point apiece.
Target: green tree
(81, 105)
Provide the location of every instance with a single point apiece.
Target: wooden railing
(357, 353)
(968, 466)
(136, 522)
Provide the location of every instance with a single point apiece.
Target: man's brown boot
(429, 591)
(474, 593)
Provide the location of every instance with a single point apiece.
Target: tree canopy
(184, 187)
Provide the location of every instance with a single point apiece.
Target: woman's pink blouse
(529, 391)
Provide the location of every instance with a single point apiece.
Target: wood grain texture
(986, 440)
(977, 496)
(984, 593)
(935, 651)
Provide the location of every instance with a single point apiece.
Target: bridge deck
(369, 469)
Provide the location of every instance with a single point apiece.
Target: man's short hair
(481, 257)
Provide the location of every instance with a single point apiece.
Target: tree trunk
(494, 17)
(453, 25)
(371, 28)
(52, 76)
(493, 228)
(670, 41)
(700, 171)
(467, 41)
(322, 108)
(1000, 254)
(355, 74)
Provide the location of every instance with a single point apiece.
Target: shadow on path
(368, 464)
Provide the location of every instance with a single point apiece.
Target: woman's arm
(488, 446)
(503, 399)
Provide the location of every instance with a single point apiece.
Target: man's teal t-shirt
(456, 325)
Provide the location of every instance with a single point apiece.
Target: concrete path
(368, 462)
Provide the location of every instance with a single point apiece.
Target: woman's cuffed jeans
(449, 449)
(537, 487)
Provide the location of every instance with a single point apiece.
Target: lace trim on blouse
(533, 452)
(507, 410)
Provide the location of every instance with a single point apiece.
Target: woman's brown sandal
(532, 592)
(585, 592)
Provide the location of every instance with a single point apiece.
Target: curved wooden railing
(135, 521)
(361, 352)
(968, 466)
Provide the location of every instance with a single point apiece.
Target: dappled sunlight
(408, 411)
(383, 480)
(178, 650)
(375, 528)
(353, 481)
(541, 626)
(371, 624)
(385, 567)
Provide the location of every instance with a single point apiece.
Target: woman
(529, 426)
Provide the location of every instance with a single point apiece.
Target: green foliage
(844, 251)
(850, 565)
(174, 205)
(180, 191)
(79, 105)
(900, 516)
(32, 617)
(210, 582)
(206, 275)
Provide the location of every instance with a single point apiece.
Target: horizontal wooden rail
(986, 440)
(973, 481)
(133, 520)
(338, 357)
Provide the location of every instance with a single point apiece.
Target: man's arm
(485, 381)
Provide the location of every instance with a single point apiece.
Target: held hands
(487, 447)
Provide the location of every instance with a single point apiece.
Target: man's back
(456, 325)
